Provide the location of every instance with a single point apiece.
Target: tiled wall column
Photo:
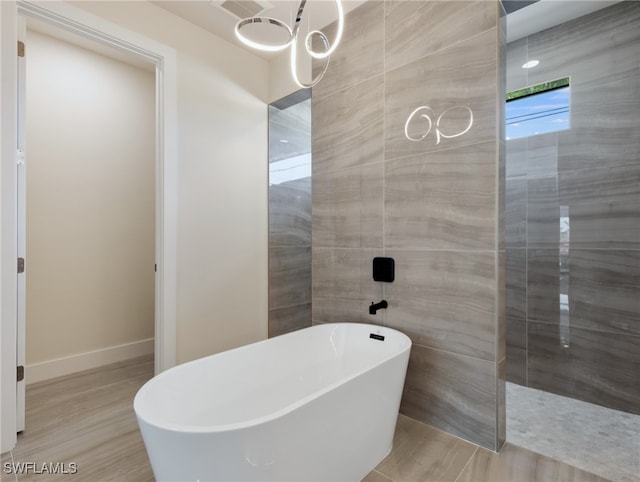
(433, 205)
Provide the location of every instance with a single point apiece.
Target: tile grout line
(440, 50)
(324, 96)
(295, 305)
(467, 464)
(383, 475)
(492, 361)
(583, 328)
(384, 150)
(413, 249)
(441, 150)
(332, 92)
(410, 156)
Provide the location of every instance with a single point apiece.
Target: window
(538, 109)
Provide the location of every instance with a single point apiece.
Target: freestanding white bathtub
(319, 404)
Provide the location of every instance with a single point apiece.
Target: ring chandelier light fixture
(292, 40)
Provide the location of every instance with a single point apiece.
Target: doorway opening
(163, 59)
(85, 205)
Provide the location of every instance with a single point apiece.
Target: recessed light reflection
(284, 141)
(530, 64)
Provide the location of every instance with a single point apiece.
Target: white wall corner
(38, 372)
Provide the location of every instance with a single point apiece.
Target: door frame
(78, 21)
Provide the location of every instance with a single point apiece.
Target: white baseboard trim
(38, 372)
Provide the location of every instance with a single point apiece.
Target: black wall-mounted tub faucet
(376, 306)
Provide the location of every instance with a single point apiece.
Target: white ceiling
(208, 15)
(318, 13)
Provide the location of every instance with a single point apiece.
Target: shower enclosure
(572, 225)
(290, 213)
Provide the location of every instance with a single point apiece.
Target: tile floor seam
(443, 431)
(383, 475)
(467, 464)
(13, 464)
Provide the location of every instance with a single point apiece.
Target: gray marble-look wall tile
(516, 213)
(288, 319)
(445, 300)
(603, 206)
(600, 46)
(604, 290)
(463, 75)
(516, 368)
(289, 276)
(501, 308)
(603, 224)
(542, 156)
(416, 29)
(604, 125)
(363, 39)
(347, 127)
(345, 310)
(609, 104)
(516, 163)
(618, 184)
(594, 366)
(543, 285)
(442, 200)
(454, 393)
(343, 286)
(502, 195)
(516, 58)
(543, 213)
(593, 147)
(516, 283)
(347, 207)
(290, 213)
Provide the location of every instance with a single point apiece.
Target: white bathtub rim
(252, 422)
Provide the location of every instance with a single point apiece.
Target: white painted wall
(222, 180)
(90, 202)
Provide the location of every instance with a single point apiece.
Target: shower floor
(600, 440)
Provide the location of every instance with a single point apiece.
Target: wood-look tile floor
(424, 454)
(88, 419)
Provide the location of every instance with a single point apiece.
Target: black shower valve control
(383, 269)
